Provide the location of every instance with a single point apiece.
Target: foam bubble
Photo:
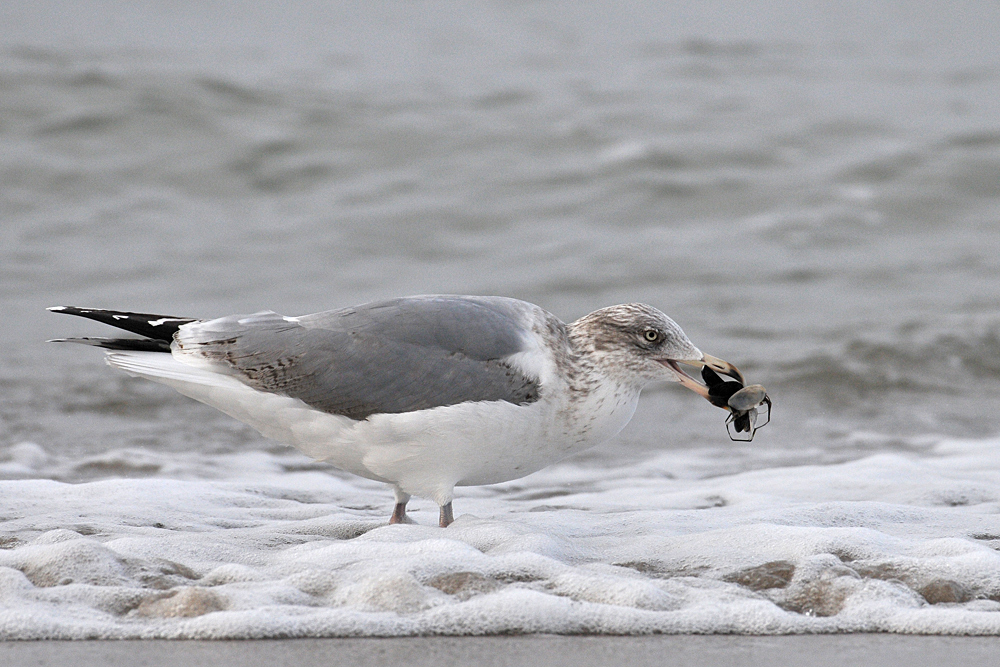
(267, 546)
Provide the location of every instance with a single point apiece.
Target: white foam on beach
(266, 545)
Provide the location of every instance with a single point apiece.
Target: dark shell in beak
(719, 390)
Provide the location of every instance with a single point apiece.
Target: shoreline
(885, 650)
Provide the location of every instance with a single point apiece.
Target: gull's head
(637, 344)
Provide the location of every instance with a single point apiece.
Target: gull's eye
(651, 335)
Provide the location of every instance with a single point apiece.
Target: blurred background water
(811, 191)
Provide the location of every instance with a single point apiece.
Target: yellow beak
(718, 365)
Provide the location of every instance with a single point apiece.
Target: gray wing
(384, 357)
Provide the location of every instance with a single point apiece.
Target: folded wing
(384, 357)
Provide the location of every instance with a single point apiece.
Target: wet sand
(539, 650)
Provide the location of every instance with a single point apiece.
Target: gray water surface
(813, 194)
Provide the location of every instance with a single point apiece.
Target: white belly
(429, 452)
(426, 453)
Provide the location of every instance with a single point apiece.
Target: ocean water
(813, 194)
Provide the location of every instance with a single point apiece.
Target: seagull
(424, 393)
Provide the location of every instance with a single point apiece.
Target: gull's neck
(601, 396)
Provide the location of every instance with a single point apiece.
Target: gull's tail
(157, 330)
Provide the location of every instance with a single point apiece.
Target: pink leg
(446, 515)
(398, 514)
(399, 511)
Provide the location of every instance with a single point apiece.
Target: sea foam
(267, 545)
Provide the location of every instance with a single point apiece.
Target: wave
(948, 364)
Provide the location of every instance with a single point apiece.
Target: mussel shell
(710, 377)
(721, 394)
(743, 422)
(747, 398)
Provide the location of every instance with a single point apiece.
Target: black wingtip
(156, 327)
(121, 344)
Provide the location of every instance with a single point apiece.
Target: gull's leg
(399, 514)
(399, 511)
(446, 515)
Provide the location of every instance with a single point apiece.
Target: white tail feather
(275, 416)
(165, 368)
